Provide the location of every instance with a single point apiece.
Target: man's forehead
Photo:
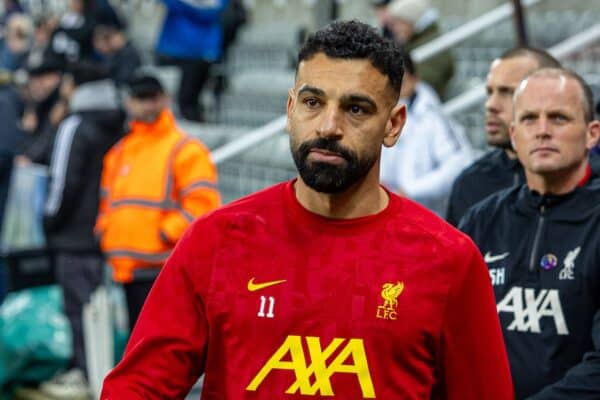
(549, 90)
(512, 70)
(337, 76)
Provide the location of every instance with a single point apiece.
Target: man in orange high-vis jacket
(155, 182)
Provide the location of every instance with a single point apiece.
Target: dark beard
(330, 178)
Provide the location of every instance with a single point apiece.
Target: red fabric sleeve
(165, 354)
(474, 361)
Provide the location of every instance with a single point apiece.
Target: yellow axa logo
(390, 293)
(314, 378)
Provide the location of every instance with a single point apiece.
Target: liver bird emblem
(390, 293)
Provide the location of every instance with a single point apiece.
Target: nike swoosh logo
(489, 258)
(253, 287)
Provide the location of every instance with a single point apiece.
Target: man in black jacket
(540, 242)
(499, 168)
(94, 124)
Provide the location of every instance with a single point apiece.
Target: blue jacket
(192, 29)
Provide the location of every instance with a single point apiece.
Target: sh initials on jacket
(266, 307)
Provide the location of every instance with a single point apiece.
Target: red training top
(271, 301)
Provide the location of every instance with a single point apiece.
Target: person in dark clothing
(540, 242)
(499, 168)
(11, 137)
(72, 40)
(95, 123)
(42, 112)
(118, 54)
(191, 38)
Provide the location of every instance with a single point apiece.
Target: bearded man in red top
(328, 285)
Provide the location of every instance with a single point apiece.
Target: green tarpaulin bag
(35, 335)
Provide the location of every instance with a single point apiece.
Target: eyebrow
(359, 98)
(349, 98)
(311, 89)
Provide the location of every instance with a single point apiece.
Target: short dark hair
(543, 58)
(587, 98)
(145, 85)
(356, 40)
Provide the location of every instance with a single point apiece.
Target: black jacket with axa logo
(543, 254)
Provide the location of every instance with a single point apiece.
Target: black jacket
(490, 174)
(81, 141)
(543, 254)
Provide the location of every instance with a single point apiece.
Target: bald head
(586, 98)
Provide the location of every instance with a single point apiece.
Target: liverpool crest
(389, 293)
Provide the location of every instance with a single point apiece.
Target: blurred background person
(499, 168)
(72, 39)
(95, 123)
(431, 151)
(43, 110)
(192, 38)
(381, 14)
(44, 27)
(117, 53)
(412, 23)
(155, 182)
(17, 41)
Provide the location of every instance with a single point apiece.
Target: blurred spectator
(18, 38)
(10, 7)
(192, 38)
(44, 28)
(118, 53)
(414, 23)
(431, 150)
(44, 109)
(72, 39)
(233, 18)
(11, 137)
(498, 169)
(155, 182)
(95, 123)
(381, 13)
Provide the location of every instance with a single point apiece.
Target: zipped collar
(573, 206)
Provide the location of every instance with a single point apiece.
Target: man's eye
(527, 118)
(560, 118)
(355, 109)
(311, 102)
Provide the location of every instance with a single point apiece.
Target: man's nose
(330, 123)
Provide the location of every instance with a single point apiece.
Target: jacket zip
(536, 239)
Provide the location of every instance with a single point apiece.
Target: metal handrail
(467, 30)
(565, 48)
(453, 106)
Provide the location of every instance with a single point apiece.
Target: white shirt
(430, 153)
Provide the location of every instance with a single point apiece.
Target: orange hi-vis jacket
(155, 182)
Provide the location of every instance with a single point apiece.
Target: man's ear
(290, 106)
(512, 134)
(394, 125)
(593, 134)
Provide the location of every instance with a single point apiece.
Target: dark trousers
(78, 275)
(136, 293)
(194, 74)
